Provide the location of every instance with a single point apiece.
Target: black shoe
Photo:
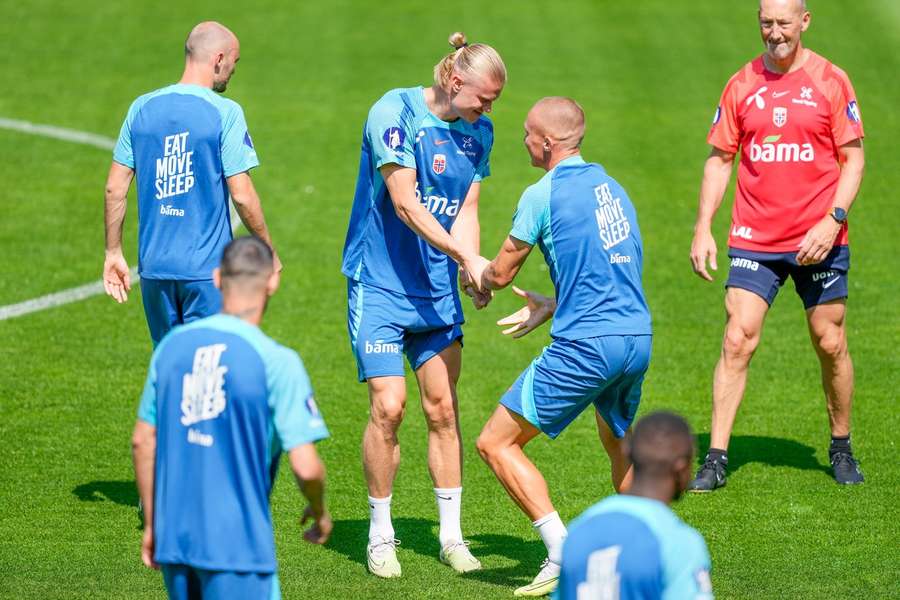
(710, 476)
(846, 469)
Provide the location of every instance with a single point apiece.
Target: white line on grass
(87, 290)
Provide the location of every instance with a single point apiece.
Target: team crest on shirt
(439, 163)
(779, 116)
(853, 112)
(393, 137)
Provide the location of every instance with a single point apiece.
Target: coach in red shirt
(793, 117)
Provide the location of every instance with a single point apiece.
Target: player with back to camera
(587, 230)
(425, 152)
(793, 116)
(190, 150)
(221, 403)
(632, 546)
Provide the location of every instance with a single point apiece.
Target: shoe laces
(839, 458)
(378, 545)
(546, 566)
(453, 544)
(712, 464)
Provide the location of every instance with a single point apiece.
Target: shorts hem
(424, 358)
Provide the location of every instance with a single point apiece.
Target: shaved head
(207, 39)
(560, 119)
(799, 6)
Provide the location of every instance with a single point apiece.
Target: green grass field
(648, 74)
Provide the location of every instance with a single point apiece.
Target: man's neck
(196, 75)
(438, 102)
(558, 158)
(661, 491)
(787, 65)
(250, 311)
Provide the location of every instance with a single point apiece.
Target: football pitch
(648, 74)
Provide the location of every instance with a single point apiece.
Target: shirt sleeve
(123, 153)
(147, 407)
(532, 216)
(688, 571)
(238, 154)
(846, 120)
(483, 169)
(391, 134)
(725, 133)
(296, 416)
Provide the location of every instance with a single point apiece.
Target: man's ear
(272, 283)
(217, 278)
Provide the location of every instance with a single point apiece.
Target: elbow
(309, 470)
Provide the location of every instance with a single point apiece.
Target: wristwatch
(839, 214)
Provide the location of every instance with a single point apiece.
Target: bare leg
(746, 313)
(829, 338)
(621, 471)
(380, 448)
(437, 385)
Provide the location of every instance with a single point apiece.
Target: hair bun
(458, 40)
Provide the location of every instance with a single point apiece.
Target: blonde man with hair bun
(413, 227)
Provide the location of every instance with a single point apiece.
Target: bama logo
(381, 347)
(170, 211)
(772, 152)
(437, 205)
(744, 263)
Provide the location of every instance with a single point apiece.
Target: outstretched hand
(537, 311)
(321, 527)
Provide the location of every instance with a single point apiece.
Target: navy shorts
(763, 273)
(169, 302)
(385, 325)
(188, 583)
(570, 375)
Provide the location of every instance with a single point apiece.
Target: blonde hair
(477, 59)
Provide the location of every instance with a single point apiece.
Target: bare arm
(501, 271)
(716, 174)
(143, 452)
(116, 278)
(401, 185)
(246, 202)
(310, 473)
(467, 230)
(819, 240)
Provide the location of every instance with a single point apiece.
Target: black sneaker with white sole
(846, 468)
(710, 476)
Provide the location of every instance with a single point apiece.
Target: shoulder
(825, 73)
(393, 102)
(745, 78)
(484, 126)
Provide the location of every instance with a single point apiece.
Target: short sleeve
(390, 132)
(846, 120)
(483, 169)
(296, 417)
(147, 408)
(123, 152)
(532, 216)
(725, 133)
(687, 575)
(238, 153)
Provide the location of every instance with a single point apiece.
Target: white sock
(553, 532)
(380, 518)
(449, 501)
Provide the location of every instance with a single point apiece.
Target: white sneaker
(381, 557)
(457, 555)
(543, 583)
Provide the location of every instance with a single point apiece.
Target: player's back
(214, 464)
(593, 247)
(633, 548)
(173, 138)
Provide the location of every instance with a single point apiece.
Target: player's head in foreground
(471, 77)
(661, 449)
(211, 53)
(781, 23)
(554, 129)
(246, 277)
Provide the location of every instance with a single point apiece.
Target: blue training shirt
(380, 249)
(226, 400)
(633, 548)
(183, 141)
(588, 232)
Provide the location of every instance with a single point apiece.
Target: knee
(739, 341)
(440, 413)
(387, 414)
(486, 448)
(832, 344)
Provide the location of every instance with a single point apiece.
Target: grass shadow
(527, 554)
(776, 452)
(119, 492)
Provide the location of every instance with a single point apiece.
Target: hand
(116, 278)
(480, 299)
(147, 548)
(321, 528)
(818, 242)
(475, 265)
(703, 247)
(535, 313)
(277, 267)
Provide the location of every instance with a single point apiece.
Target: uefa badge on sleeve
(439, 164)
(853, 112)
(779, 116)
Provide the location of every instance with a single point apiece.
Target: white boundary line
(87, 290)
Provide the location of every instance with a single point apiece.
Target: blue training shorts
(169, 302)
(385, 325)
(763, 273)
(188, 583)
(569, 375)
